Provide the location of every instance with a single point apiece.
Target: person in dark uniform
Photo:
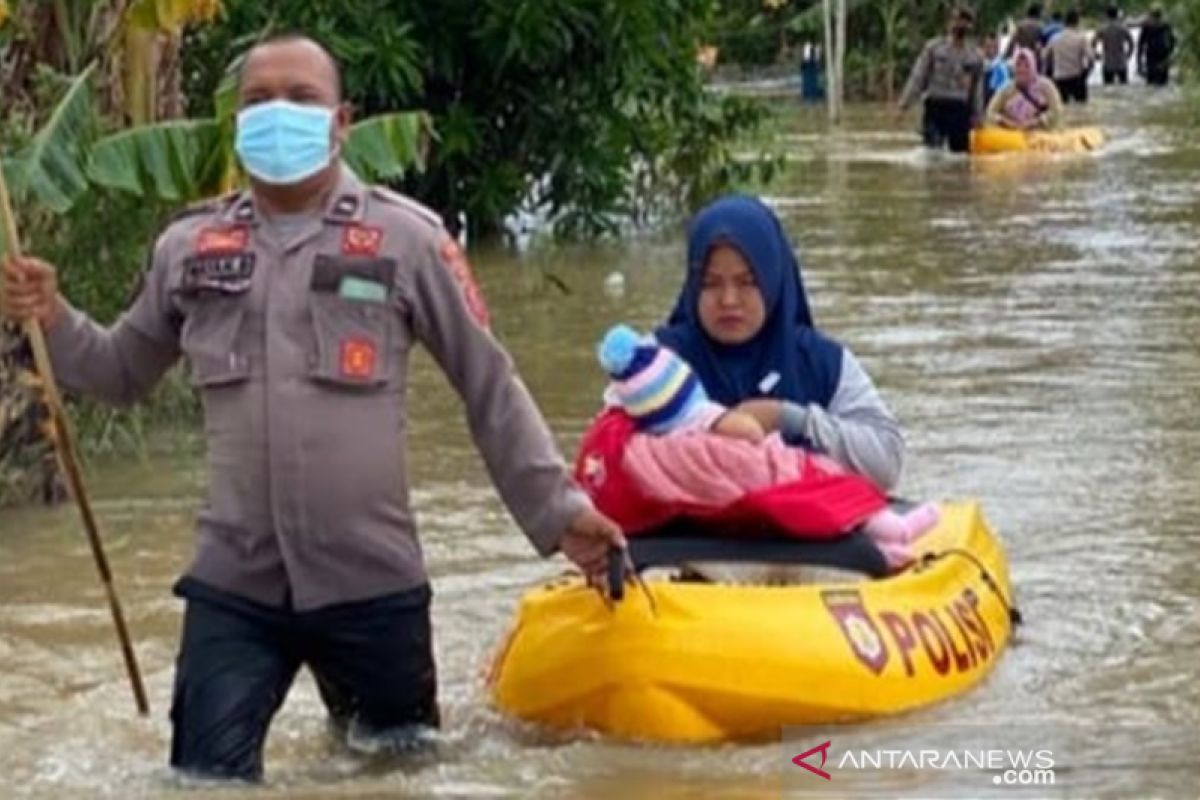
(1156, 45)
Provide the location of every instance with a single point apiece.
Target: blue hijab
(807, 364)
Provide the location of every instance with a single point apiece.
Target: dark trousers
(1158, 74)
(1112, 76)
(947, 122)
(373, 662)
(1073, 89)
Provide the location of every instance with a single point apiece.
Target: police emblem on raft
(847, 609)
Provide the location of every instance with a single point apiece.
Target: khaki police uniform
(300, 353)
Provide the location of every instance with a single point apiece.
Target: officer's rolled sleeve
(508, 429)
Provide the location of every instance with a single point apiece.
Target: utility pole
(835, 57)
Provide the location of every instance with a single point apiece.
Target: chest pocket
(213, 296)
(354, 324)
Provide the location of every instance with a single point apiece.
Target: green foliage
(584, 111)
(100, 246)
(49, 167)
(749, 33)
(388, 146)
(180, 160)
(1185, 17)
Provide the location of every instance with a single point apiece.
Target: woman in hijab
(743, 323)
(1029, 101)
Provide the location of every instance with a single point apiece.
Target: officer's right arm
(918, 78)
(122, 363)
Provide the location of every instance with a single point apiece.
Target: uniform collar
(346, 203)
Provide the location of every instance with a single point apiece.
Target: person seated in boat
(743, 325)
(698, 454)
(1029, 101)
(742, 321)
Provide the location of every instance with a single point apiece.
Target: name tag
(355, 288)
(228, 274)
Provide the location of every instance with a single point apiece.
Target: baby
(657, 389)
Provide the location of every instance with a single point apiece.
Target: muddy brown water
(1035, 324)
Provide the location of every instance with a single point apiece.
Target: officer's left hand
(587, 542)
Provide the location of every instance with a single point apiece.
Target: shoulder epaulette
(210, 206)
(395, 198)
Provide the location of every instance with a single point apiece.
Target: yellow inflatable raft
(987, 141)
(705, 662)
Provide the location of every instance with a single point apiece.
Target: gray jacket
(857, 430)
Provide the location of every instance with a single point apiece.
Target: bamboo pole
(64, 447)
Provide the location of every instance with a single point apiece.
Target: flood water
(1035, 325)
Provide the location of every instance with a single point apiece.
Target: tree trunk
(170, 77)
(28, 468)
(140, 78)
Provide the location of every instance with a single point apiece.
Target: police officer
(297, 303)
(948, 76)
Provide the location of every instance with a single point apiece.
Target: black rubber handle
(616, 573)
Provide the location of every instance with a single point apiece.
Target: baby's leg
(894, 533)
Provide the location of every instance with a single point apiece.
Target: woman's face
(731, 306)
(1024, 72)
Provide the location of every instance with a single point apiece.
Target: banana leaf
(179, 160)
(387, 146)
(50, 167)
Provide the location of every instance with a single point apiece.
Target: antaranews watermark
(890, 759)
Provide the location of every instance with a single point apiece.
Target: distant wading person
(1116, 45)
(1069, 57)
(1028, 33)
(997, 72)
(1156, 45)
(948, 75)
(297, 303)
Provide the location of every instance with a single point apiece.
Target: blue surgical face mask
(282, 142)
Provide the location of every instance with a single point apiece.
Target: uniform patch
(456, 261)
(357, 358)
(361, 240)
(228, 273)
(212, 241)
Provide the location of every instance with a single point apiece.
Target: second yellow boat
(988, 141)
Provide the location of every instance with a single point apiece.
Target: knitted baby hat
(652, 384)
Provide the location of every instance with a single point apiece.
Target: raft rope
(1014, 614)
